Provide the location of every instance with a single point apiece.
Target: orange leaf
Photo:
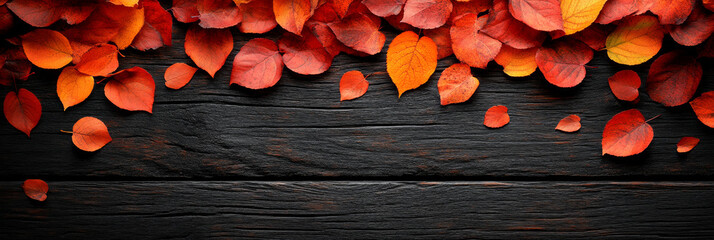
(35, 189)
(131, 89)
(156, 31)
(672, 11)
(127, 3)
(257, 65)
(686, 144)
(469, 45)
(352, 85)
(291, 15)
(427, 14)
(626, 134)
(505, 28)
(185, 10)
(358, 32)
(130, 20)
(22, 110)
(563, 63)
(496, 117)
(73, 87)
(410, 61)
(384, 8)
(259, 18)
(442, 38)
(543, 15)
(569, 124)
(218, 13)
(47, 48)
(703, 106)
(304, 55)
(517, 62)
(208, 48)
(579, 14)
(90, 134)
(698, 27)
(101, 60)
(635, 40)
(178, 75)
(456, 84)
(673, 78)
(625, 84)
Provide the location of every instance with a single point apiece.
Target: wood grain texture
(361, 210)
(299, 128)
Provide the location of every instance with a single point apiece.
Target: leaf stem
(63, 131)
(374, 73)
(653, 118)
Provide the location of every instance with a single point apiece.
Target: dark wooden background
(293, 161)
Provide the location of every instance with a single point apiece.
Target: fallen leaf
(218, 13)
(35, 189)
(673, 78)
(569, 124)
(698, 27)
(7, 20)
(178, 75)
(304, 55)
(90, 134)
(442, 38)
(496, 117)
(352, 85)
(73, 87)
(517, 62)
(626, 134)
(358, 32)
(636, 40)
(427, 14)
(208, 48)
(672, 11)
(22, 110)
(579, 14)
(130, 21)
(101, 60)
(341, 7)
(384, 8)
(410, 61)
(594, 36)
(185, 10)
(257, 65)
(703, 106)
(686, 144)
(471, 46)
(456, 84)
(543, 15)
(291, 15)
(505, 28)
(131, 89)
(15, 67)
(126, 3)
(709, 4)
(563, 62)
(260, 18)
(462, 8)
(614, 10)
(625, 85)
(47, 48)
(156, 31)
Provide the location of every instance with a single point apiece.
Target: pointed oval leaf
(569, 124)
(15, 67)
(579, 14)
(410, 61)
(131, 89)
(505, 28)
(563, 62)
(427, 14)
(100, 60)
(218, 13)
(260, 18)
(672, 11)
(178, 75)
(47, 48)
(90, 134)
(352, 85)
(673, 78)
(517, 62)
(22, 110)
(703, 106)
(456, 84)
(626, 134)
(185, 10)
(291, 15)
(208, 48)
(73, 87)
(471, 46)
(384, 8)
(686, 144)
(35, 189)
(543, 15)
(156, 31)
(257, 65)
(360, 33)
(304, 55)
(635, 40)
(496, 117)
(698, 27)
(625, 84)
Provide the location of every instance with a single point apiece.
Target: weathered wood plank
(361, 210)
(300, 129)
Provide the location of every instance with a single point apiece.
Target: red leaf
(686, 144)
(304, 55)
(291, 15)
(626, 134)
(384, 8)
(471, 46)
(35, 189)
(15, 67)
(456, 84)
(90, 134)
(496, 117)
(156, 31)
(208, 48)
(563, 63)
(178, 75)
(427, 14)
(352, 85)
(218, 13)
(672, 11)
(473, 6)
(442, 38)
(502, 26)
(594, 36)
(131, 89)
(709, 4)
(22, 110)
(614, 10)
(358, 32)
(185, 10)
(7, 20)
(259, 18)
(257, 65)
(341, 7)
(569, 124)
(703, 106)
(76, 11)
(396, 22)
(100, 60)
(698, 27)
(38, 13)
(673, 78)
(543, 15)
(625, 84)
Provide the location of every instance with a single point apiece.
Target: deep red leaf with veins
(304, 55)
(22, 110)
(156, 31)
(131, 89)
(496, 117)
(594, 36)
(257, 65)
(626, 134)
(614, 10)
(341, 7)
(218, 13)
(7, 20)
(358, 32)
(208, 48)
(35, 189)
(16, 67)
(185, 10)
(427, 14)
(625, 85)
(703, 106)
(259, 17)
(76, 11)
(384, 8)
(569, 124)
(352, 85)
(563, 62)
(442, 37)
(672, 11)
(543, 15)
(503, 27)
(698, 27)
(38, 13)
(686, 144)
(673, 78)
(471, 46)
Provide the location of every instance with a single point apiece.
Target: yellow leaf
(128, 3)
(73, 87)
(411, 60)
(579, 14)
(517, 62)
(635, 40)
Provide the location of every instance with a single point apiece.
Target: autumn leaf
(462, 8)
(471, 46)
(218, 13)
(384, 8)
(579, 14)
(47, 48)
(686, 144)
(352, 85)
(73, 87)
(7, 20)
(442, 38)
(358, 32)
(456, 84)
(427, 14)
(594, 36)
(16, 66)
(517, 62)
(185, 10)
(178, 75)
(703, 106)
(673, 78)
(259, 18)
(410, 61)
(543, 15)
(304, 55)
(35, 189)
(291, 15)
(698, 27)
(101, 60)
(90, 134)
(257, 65)
(22, 110)
(569, 124)
(563, 62)
(672, 11)
(156, 31)
(208, 48)
(615, 10)
(625, 84)
(505, 28)
(43, 13)
(635, 40)
(341, 7)
(130, 20)
(131, 89)
(626, 134)
(496, 117)
(127, 3)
